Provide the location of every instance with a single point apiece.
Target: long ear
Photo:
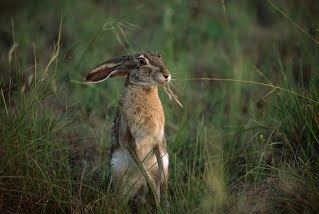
(104, 71)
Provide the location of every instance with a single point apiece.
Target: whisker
(249, 82)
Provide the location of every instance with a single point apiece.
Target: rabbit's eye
(141, 61)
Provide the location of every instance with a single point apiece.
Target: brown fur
(139, 124)
(142, 124)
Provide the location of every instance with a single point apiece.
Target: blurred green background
(246, 73)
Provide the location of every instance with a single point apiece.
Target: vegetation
(246, 73)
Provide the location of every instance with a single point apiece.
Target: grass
(245, 141)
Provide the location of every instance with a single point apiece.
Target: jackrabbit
(139, 160)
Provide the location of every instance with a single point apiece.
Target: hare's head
(141, 68)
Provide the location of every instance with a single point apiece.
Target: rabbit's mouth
(162, 78)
